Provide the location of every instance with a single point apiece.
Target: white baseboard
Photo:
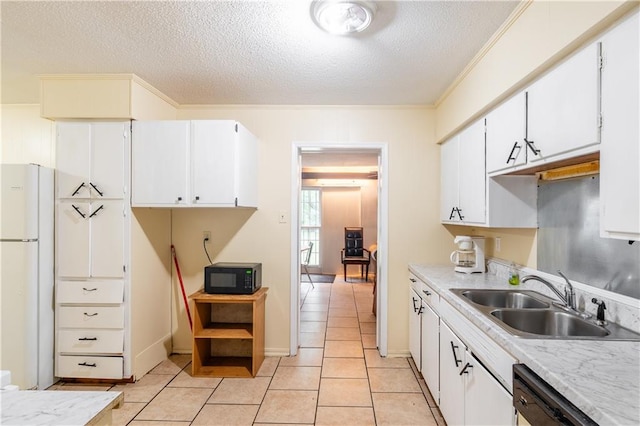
(152, 356)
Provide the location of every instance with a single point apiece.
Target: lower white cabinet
(415, 309)
(431, 350)
(93, 367)
(469, 394)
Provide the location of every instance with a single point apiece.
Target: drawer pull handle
(86, 364)
(90, 315)
(523, 401)
(89, 289)
(428, 293)
(413, 280)
(455, 356)
(87, 338)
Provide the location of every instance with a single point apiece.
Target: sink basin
(549, 323)
(516, 299)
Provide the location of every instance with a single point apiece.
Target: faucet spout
(553, 288)
(570, 295)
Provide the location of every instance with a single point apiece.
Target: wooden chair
(306, 256)
(354, 253)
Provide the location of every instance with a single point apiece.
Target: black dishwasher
(541, 404)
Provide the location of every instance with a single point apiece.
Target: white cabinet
(90, 238)
(160, 163)
(469, 197)
(620, 150)
(468, 392)
(463, 177)
(563, 108)
(91, 159)
(506, 130)
(431, 350)
(205, 163)
(415, 309)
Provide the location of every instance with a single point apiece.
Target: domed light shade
(342, 17)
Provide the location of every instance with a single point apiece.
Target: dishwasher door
(541, 404)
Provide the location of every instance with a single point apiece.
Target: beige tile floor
(337, 378)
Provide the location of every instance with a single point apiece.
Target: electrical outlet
(206, 235)
(498, 241)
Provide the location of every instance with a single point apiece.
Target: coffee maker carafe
(469, 257)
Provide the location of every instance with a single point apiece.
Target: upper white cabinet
(556, 118)
(506, 130)
(463, 177)
(160, 163)
(90, 159)
(620, 150)
(207, 163)
(469, 197)
(563, 109)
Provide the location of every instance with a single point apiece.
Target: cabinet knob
(179, 198)
(197, 198)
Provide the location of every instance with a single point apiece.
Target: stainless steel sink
(516, 299)
(532, 315)
(549, 322)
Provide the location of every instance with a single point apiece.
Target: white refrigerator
(26, 274)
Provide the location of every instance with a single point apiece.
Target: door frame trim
(298, 148)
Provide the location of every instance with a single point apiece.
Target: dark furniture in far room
(354, 253)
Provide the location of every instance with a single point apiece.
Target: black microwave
(232, 278)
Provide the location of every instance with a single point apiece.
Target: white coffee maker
(469, 257)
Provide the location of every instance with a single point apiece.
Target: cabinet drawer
(91, 317)
(91, 341)
(96, 367)
(86, 292)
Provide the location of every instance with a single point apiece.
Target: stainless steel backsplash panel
(569, 238)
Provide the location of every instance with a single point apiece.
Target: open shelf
(228, 334)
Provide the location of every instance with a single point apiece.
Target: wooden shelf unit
(228, 334)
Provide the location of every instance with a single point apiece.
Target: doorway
(337, 152)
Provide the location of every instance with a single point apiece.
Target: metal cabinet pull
(414, 304)
(413, 280)
(532, 147)
(78, 189)
(428, 293)
(465, 369)
(88, 338)
(96, 189)
(96, 211)
(179, 198)
(197, 198)
(89, 289)
(455, 357)
(511, 157)
(420, 310)
(523, 401)
(453, 209)
(90, 315)
(86, 364)
(460, 213)
(78, 211)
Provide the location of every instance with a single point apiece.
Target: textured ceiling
(247, 52)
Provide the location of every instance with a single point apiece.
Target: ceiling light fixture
(342, 17)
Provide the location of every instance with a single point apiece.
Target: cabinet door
(449, 180)
(160, 163)
(563, 107)
(107, 239)
(506, 128)
(452, 388)
(108, 177)
(620, 150)
(472, 176)
(486, 401)
(247, 170)
(431, 350)
(73, 239)
(213, 162)
(414, 327)
(73, 160)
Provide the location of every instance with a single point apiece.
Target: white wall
(26, 138)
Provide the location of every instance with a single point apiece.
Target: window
(310, 222)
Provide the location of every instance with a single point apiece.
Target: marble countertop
(602, 378)
(56, 407)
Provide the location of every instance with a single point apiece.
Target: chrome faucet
(568, 299)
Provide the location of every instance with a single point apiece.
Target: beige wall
(415, 234)
(25, 137)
